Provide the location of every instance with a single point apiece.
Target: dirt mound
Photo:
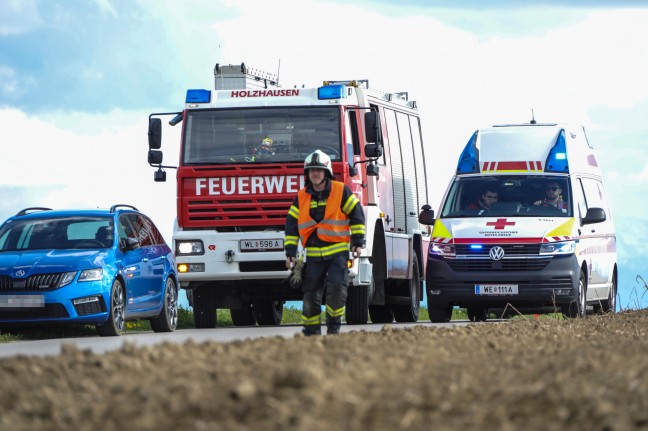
(533, 374)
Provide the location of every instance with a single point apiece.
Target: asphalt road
(99, 344)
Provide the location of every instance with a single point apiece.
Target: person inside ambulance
(553, 197)
(489, 196)
(327, 217)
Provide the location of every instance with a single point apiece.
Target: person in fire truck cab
(328, 219)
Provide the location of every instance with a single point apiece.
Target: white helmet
(319, 160)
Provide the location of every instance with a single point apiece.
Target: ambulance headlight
(557, 248)
(191, 247)
(442, 250)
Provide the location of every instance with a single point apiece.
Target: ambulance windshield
(260, 135)
(509, 195)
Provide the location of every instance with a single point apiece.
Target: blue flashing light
(331, 92)
(476, 246)
(198, 96)
(469, 160)
(557, 159)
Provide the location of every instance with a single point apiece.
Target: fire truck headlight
(191, 247)
(442, 250)
(557, 248)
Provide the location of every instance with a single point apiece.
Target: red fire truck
(242, 151)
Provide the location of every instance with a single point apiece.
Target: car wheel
(577, 308)
(115, 323)
(167, 320)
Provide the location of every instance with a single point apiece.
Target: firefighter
(328, 220)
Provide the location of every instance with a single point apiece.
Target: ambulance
(524, 226)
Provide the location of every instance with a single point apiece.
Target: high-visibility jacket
(334, 227)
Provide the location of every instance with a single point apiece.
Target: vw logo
(20, 273)
(496, 253)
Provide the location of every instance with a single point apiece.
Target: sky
(79, 78)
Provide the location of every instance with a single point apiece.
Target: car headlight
(91, 274)
(67, 278)
(442, 250)
(184, 248)
(557, 248)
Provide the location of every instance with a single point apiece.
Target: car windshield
(260, 135)
(508, 195)
(61, 233)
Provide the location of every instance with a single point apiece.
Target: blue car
(96, 267)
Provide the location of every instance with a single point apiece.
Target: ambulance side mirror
(594, 215)
(426, 216)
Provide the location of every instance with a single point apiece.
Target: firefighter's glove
(297, 274)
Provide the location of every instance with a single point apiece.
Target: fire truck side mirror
(159, 176)
(353, 171)
(373, 150)
(426, 216)
(372, 170)
(155, 134)
(372, 128)
(155, 157)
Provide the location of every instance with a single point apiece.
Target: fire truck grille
(238, 214)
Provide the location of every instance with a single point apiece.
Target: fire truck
(241, 163)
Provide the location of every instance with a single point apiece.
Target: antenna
(278, 69)
(533, 121)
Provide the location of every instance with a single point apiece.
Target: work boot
(312, 330)
(333, 325)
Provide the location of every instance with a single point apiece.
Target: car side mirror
(426, 216)
(128, 244)
(594, 215)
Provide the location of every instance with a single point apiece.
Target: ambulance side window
(595, 195)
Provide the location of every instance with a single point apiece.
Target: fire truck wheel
(267, 311)
(357, 309)
(204, 308)
(410, 312)
(381, 314)
(243, 316)
(440, 314)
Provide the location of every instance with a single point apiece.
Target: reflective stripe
(334, 313)
(335, 222)
(350, 204)
(328, 250)
(358, 229)
(294, 211)
(291, 240)
(309, 321)
(321, 232)
(306, 225)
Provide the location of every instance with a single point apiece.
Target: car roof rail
(114, 207)
(32, 209)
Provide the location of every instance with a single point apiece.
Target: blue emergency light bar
(469, 160)
(331, 92)
(557, 159)
(198, 96)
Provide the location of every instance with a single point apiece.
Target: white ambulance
(524, 226)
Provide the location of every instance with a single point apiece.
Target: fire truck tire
(410, 312)
(243, 316)
(204, 308)
(381, 314)
(440, 314)
(357, 305)
(267, 311)
(477, 314)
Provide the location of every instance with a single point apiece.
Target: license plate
(261, 244)
(22, 301)
(496, 289)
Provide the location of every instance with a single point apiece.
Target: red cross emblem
(501, 223)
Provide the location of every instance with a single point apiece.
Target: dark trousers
(330, 276)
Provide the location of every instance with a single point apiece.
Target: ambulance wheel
(578, 307)
(204, 308)
(357, 308)
(440, 313)
(477, 314)
(410, 312)
(268, 311)
(243, 316)
(381, 314)
(609, 305)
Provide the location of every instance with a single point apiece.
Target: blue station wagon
(97, 267)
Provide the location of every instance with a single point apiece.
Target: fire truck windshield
(260, 135)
